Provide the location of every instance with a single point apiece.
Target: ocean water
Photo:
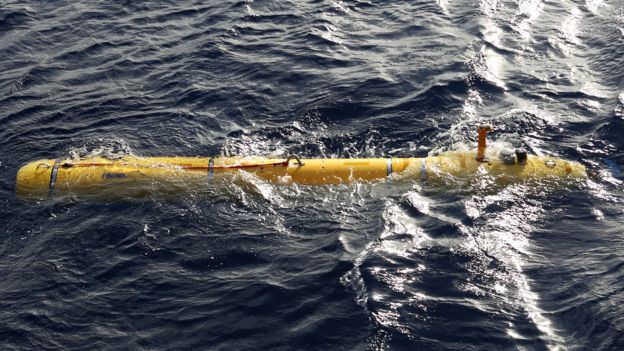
(257, 266)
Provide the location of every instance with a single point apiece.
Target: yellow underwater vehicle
(132, 176)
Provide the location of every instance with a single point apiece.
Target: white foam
(594, 5)
(504, 236)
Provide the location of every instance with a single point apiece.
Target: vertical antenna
(482, 142)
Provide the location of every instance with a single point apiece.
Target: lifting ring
(293, 157)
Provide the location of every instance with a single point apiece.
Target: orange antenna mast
(482, 142)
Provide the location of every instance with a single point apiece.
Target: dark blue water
(257, 266)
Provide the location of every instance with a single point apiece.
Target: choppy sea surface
(257, 266)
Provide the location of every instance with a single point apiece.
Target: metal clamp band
(210, 169)
(54, 175)
(423, 169)
(389, 166)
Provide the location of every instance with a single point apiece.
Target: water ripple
(250, 265)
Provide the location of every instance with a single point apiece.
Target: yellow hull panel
(136, 176)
